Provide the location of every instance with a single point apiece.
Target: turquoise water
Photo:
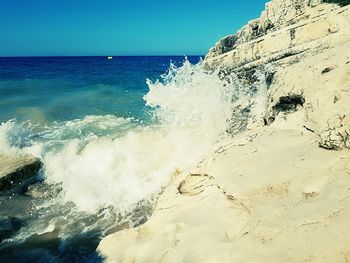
(47, 89)
(110, 135)
(56, 108)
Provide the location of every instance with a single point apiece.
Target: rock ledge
(17, 171)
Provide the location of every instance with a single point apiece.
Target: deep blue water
(54, 93)
(46, 89)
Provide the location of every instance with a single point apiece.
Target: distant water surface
(46, 89)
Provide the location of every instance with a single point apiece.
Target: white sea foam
(4, 140)
(10, 136)
(105, 160)
(191, 108)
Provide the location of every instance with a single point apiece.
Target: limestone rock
(291, 44)
(277, 14)
(17, 171)
(336, 135)
(251, 199)
(224, 45)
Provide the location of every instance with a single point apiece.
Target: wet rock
(17, 172)
(8, 226)
(43, 190)
(15, 212)
(17, 206)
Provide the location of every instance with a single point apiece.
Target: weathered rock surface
(289, 36)
(16, 172)
(277, 14)
(295, 55)
(279, 198)
(280, 190)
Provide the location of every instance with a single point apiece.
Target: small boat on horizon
(110, 58)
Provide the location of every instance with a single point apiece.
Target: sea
(110, 134)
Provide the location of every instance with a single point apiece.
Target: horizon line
(50, 56)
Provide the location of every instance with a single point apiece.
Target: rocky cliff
(279, 190)
(278, 44)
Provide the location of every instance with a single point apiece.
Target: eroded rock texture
(299, 46)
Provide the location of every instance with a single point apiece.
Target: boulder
(17, 172)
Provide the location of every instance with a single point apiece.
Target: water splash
(190, 109)
(105, 160)
(110, 168)
(188, 95)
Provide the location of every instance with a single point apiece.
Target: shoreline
(279, 191)
(243, 199)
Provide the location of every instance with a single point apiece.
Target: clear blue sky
(119, 27)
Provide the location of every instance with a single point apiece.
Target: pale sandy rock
(301, 65)
(314, 29)
(326, 95)
(277, 199)
(280, 191)
(277, 14)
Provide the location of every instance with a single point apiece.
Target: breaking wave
(106, 161)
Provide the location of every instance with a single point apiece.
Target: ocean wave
(108, 160)
(107, 170)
